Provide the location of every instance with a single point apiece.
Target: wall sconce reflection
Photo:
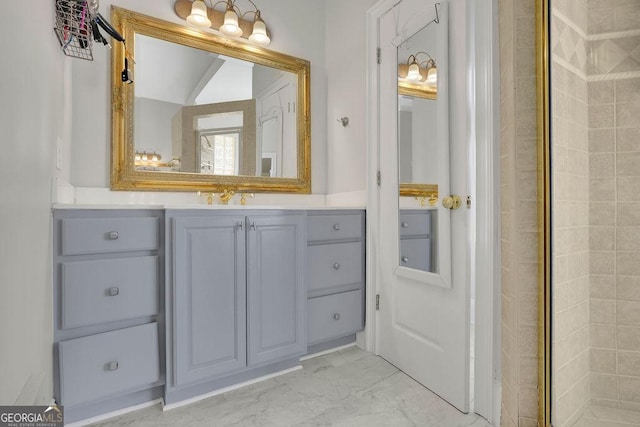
(413, 71)
(142, 158)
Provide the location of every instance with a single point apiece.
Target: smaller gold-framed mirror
(206, 113)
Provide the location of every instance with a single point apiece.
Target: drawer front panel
(335, 316)
(334, 227)
(415, 223)
(334, 265)
(101, 291)
(416, 253)
(101, 235)
(108, 364)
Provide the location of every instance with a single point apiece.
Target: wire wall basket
(73, 28)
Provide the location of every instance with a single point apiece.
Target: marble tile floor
(604, 416)
(349, 387)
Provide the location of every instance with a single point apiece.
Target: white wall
(346, 94)
(34, 112)
(152, 126)
(295, 30)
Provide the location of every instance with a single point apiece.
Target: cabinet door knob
(113, 235)
(336, 266)
(336, 316)
(240, 226)
(404, 224)
(112, 366)
(253, 226)
(114, 292)
(405, 259)
(336, 227)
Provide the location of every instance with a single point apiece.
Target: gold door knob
(452, 202)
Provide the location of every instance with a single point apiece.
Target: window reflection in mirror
(186, 110)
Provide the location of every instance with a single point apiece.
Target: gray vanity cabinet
(237, 289)
(108, 309)
(209, 297)
(276, 286)
(336, 271)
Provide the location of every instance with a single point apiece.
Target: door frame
(484, 156)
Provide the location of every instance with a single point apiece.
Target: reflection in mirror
(206, 113)
(418, 144)
(190, 112)
(417, 239)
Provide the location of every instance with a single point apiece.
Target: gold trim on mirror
(420, 91)
(429, 191)
(544, 213)
(124, 176)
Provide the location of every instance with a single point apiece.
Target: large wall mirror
(205, 113)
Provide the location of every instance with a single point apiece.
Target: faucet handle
(243, 198)
(209, 196)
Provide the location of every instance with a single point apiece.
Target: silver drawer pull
(253, 226)
(336, 316)
(336, 266)
(405, 259)
(113, 235)
(113, 292)
(240, 226)
(336, 227)
(112, 366)
(404, 224)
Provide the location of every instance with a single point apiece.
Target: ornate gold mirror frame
(424, 191)
(124, 176)
(544, 211)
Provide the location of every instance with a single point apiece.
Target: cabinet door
(276, 287)
(209, 290)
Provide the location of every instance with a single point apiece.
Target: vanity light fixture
(419, 72)
(231, 22)
(146, 157)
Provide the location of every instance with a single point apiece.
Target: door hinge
(378, 53)
(379, 178)
(468, 202)
(377, 301)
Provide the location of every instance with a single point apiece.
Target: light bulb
(432, 76)
(199, 17)
(230, 26)
(414, 72)
(259, 35)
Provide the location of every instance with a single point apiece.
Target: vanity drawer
(101, 235)
(334, 265)
(106, 290)
(334, 226)
(416, 253)
(108, 364)
(415, 223)
(334, 316)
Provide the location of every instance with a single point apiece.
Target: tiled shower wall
(519, 213)
(570, 192)
(614, 156)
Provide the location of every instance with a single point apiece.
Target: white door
(423, 318)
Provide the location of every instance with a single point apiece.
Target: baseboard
(329, 347)
(194, 399)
